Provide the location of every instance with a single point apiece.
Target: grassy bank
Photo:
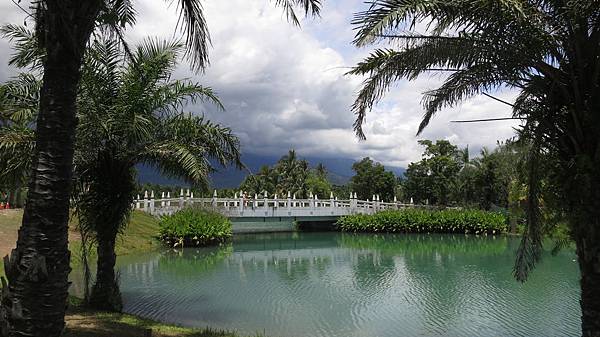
(426, 221)
(82, 322)
(139, 236)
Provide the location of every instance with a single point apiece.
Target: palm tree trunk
(589, 263)
(105, 293)
(582, 197)
(38, 268)
(587, 233)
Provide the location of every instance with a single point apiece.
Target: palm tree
(38, 269)
(549, 51)
(129, 113)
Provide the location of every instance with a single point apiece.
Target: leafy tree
(130, 113)
(371, 178)
(547, 50)
(39, 267)
(318, 184)
(289, 174)
(432, 178)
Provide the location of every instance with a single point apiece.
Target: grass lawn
(82, 322)
(139, 236)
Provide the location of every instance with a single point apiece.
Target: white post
(276, 201)
(353, 203)
(187, 197)
(162, 199)
(152, 202)
(146, 202)
(266, 201)
(294, 203)
(241, 202)
(181, 198)
(137, 202)
(331, 201)
(289, 200)
(214, 199)
(168, 199)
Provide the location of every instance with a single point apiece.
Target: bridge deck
(240, 208)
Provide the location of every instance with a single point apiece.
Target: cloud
(284, 87)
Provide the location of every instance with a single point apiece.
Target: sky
(285, 87)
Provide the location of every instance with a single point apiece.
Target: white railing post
(146, 202)
(137, 202)
(266, 201)
(241, 202)
(331, 201)
(162, 200)
(152, 202)
(191, 198)
(181, 199)
(353, 203)
(289, 200)
(168, 199)
(214, 199)
(187, 197)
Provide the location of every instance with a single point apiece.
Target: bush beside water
(426, 221)
(194, 227)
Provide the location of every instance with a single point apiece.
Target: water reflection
(331, 284)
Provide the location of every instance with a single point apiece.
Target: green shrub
(426, 221)
(194, 227)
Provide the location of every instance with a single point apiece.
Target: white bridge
(242, 207)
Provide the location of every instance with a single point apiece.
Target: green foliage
(289, 174)
(371, 178)
(431, 178)
(194, 227)
(426, 221)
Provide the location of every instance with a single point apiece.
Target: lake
(334, 284)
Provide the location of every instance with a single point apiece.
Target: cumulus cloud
(284, 87)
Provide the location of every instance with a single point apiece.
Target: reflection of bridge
(240, 208)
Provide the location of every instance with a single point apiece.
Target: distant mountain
(340, 171)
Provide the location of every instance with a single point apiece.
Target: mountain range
(340, 171)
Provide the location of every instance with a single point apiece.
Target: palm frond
(27, 52)
(530, 249)
(193, 24)
(312, 7)
(19, 99)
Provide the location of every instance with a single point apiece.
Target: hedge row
(426, 221)
(194, 227)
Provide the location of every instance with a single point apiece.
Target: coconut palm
(549, 51)
(38, 269)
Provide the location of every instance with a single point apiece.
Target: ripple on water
(326, 284)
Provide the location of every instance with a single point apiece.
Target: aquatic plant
(426, 221)
(194, 227)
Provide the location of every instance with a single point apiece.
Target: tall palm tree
(130, 111)
(38, 268)
(549, 51)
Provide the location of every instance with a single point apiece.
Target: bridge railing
(249, 207)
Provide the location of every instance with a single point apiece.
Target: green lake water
(333, 284)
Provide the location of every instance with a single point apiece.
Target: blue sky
(284, 87)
